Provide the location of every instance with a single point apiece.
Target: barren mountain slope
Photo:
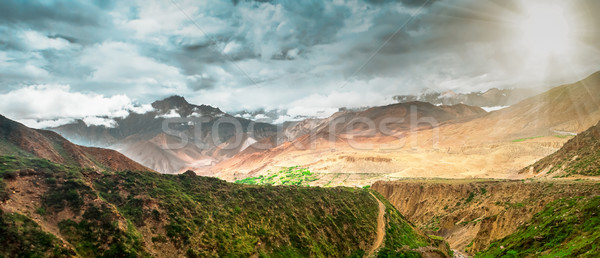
(328, 141)
(493, 145)
(17, 139)
(567, 109)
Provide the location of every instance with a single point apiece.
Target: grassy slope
(579, 156)
(20, 235)
(566, 227)
(145, 213)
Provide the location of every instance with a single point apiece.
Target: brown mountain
(326, 145)
(17, 139)
(566, 109)
(462, 144)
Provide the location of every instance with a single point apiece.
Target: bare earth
(380, 229)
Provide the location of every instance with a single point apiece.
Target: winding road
(380, 228)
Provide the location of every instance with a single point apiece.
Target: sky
(63, 60)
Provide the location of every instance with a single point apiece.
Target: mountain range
(62, 199)
(491, 98)
(142, 137)
(457, 140)
(494, 144)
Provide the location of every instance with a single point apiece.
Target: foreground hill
(17, 139)
(579, 156)
(51, 209)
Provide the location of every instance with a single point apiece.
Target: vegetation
(536, 137)
(579, 156)
(566, 227)
(525, 139)
(286, 176)
(101, 223)
(125, 213)
(402, 239)
(22, 237)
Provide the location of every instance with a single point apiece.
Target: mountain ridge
(18, 139)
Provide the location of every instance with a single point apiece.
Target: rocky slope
(17, 139)
(54, 201)
(471, 214)
(580, 156)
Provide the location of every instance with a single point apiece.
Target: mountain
(579, 156)
(491, 98)
(143, 138)
(463, 142)
(564, 110)
(17, 139)
(309, 143)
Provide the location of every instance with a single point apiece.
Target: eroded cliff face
(470, 214)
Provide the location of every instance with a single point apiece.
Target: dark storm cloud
(37, 13)
(303, 56)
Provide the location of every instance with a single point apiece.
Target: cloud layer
(306, 57)
(51, 105)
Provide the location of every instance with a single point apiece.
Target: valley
(290, 129)
(84, 212)
(403, 179)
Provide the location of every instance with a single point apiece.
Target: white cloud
(52, 105)
(298, 54)
(100, 121)
(22, 65)
(35, 123)
(171, 114)
(141, 109)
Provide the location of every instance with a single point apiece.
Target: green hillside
(565, 228)
(579, 156)
(150, 214)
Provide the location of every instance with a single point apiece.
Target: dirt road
(380, 229)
